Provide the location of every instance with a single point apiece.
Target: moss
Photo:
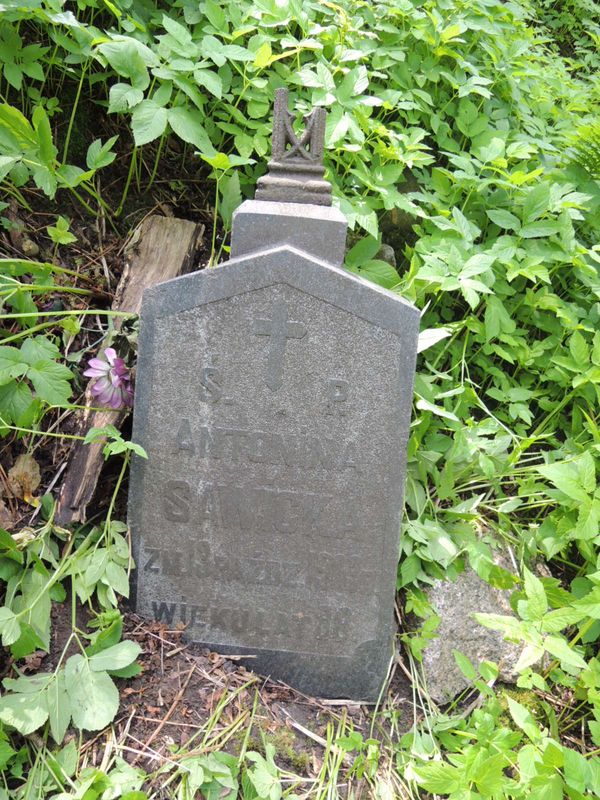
(286, 745)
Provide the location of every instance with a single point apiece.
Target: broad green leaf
(535, 230)
(26, 712)
(116, 657)
(12, 364)
(100, 155)
(504, 219)
(231, 196)
(379, 272)
(566, 654)
(148, 122)
(123, 97)
(536, 202)
(210, 80)
(93, 696)
(524, 719)
(51, 382)
(9, 626)
(465, 665)
(565, 476)
(59, 707)
(262, 56)
(187, 124)
(126, 57)
(431, 336)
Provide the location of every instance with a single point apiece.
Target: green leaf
(59, 233)
(428, 338)
(100, 155)
(9, 626)
(231, 196)
(523, 718)
(536, 202)
(59, 707)
(535, 230)
(504, 219)
(439, 777)
(262, 57)
(379, 272)
(41, 124)
(536, 596)
(148, 122)
(560, 649)
(465, 665)
(565, 476)
(126, 57)
(26, 712)
(186, 122)
(123, 97)
(210, 80)
(51, 382)
(12, 364)
(116, 657)
(93, 697)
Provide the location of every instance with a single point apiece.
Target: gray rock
(455, 602)
(387, 253)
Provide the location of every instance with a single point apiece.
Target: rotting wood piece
(161, 248)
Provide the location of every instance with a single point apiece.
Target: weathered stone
(319, 231)
(387, 253)
(296, 167)
(273, 399)
(455, 602)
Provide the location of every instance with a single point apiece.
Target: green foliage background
(463, 132)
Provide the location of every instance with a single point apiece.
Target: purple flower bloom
(112, 384)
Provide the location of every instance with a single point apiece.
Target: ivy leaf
(93, 696)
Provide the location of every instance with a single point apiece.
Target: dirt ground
(186, 694)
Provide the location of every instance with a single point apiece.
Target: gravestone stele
(273, 399)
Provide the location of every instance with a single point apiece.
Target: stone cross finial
(296, 167)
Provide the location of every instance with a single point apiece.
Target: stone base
(319, 231)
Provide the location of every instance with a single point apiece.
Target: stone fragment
(455, 602)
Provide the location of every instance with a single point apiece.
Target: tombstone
(273, 400)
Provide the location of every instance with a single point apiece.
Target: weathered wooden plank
(160, 249)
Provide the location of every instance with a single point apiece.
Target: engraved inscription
(327, 624)
(279, 330)
(263, 447)
(176, 500)
(337, 396)
(210, 387)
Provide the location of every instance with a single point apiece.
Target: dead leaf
(24, 477)
(6, 518)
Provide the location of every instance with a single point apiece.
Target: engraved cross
(279, 330)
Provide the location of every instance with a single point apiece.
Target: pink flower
(112, 386)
